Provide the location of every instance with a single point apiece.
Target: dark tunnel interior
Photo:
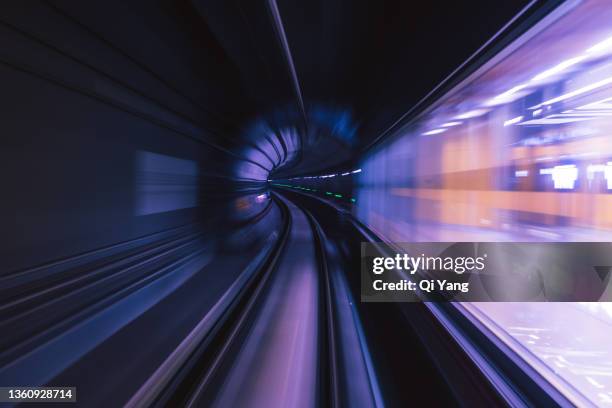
(94, 88)
(187, 186)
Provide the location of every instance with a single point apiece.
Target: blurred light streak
(603, 46)
(548, 178)
(558, 68)
(577, 92)
(434, 132)
(472, 114)
(552, 121)
(508, 96)
(513, 121)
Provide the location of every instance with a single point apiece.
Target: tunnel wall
(80, 107)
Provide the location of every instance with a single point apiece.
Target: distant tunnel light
(513, 121)
(450, 124)
(346, 173)
(564, 177)
(434, 132)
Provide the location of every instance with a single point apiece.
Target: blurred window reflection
(520, 151)
(164, 183)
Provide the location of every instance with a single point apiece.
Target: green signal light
(353, 200)
(338, 195)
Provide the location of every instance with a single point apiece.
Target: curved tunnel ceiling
(312, 83)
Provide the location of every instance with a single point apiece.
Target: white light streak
(558, 68)
(472, 114)
(513, 121)
(601, 46)
(435, 132)
(564, 177)
(577, 92)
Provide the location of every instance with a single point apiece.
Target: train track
(283, 332)
(276, 345)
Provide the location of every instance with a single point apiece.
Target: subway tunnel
(192, 191)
